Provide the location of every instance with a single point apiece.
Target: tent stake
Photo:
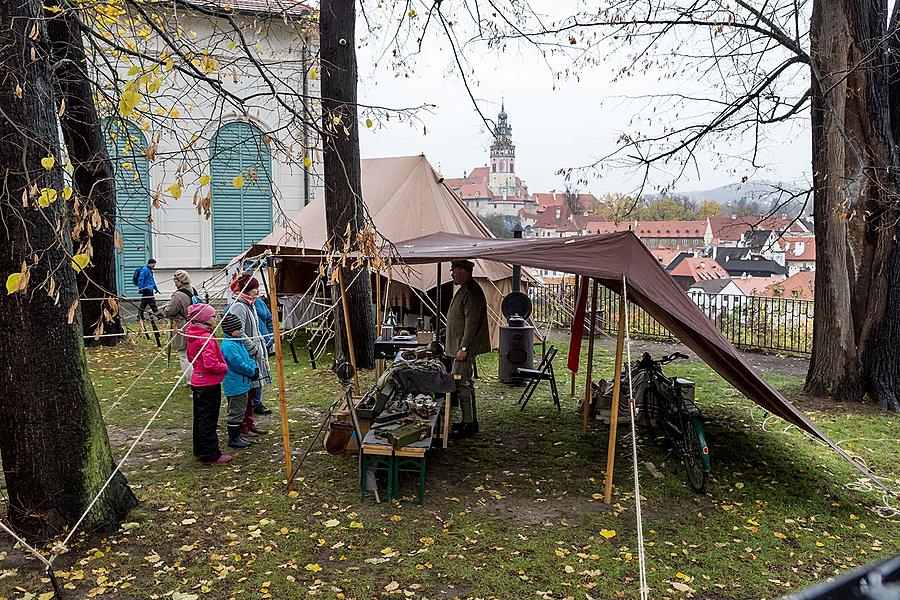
(279, 359)
(589, 373)
(350, 349)
(614, 409)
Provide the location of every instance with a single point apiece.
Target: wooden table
(378, 453)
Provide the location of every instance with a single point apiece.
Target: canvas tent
(405, 198)
(609, 258)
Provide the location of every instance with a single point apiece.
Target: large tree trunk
(54, 446)
(857, 323)
(93, 180)
(343, 191)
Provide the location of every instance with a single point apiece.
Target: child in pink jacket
(209, 369)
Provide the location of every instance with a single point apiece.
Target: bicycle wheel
(650, 412)
(696, 454)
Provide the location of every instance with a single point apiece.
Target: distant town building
(675, 235)
(800, 286)
(495, 189)
(688, 271)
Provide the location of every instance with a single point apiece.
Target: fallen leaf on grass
(608, 533)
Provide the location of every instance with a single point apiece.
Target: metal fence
(750, 322)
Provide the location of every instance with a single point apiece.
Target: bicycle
(668, 408)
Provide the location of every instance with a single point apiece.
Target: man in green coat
(467, 337)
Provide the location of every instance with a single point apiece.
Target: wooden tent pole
(614, 409)
(573, 373)
(589, 372)
(379, 363)
(279, 359)
(350, 349)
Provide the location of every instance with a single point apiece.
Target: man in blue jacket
(147, 286)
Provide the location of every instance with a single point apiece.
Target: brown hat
(468, 265)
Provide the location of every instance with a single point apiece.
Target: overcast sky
(556, 123)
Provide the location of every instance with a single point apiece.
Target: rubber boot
(235, 439)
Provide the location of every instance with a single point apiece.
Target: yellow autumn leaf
(174, 190)
(313, 74)
(427, 540)
(569, 569)
(412, 13)
(369, 123)
(47, 197)
(608, 533)
(596, 496)
(779, 535)
(819, 544)
(67, 193)
(128, 101)
(238, 182)
(47, 162)
(205, 179)
(231, 45)
(314, 567)
(13, 283)
(80, 261)
(331, 523)
(174, 113)
(356, 525)
(396, 518)
(307, 162)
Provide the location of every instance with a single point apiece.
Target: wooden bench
(378, 454)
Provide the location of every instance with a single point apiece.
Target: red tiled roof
(728, 229)
(547, 199)
(799, 248)
(699, 269)
(467, 191)
(664, 256)
(673, 229)
(756, 286)
(801, 285)
(264, 7)
(592, 226)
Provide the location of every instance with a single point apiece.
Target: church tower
(502, 180)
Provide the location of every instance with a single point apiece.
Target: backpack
(136, 276)
(195, 298)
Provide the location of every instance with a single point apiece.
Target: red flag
(578, 325)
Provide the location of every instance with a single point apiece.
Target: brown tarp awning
(608, 258)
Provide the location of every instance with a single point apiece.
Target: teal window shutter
(240, 216)
(127, 146)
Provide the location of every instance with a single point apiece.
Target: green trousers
(465, 388)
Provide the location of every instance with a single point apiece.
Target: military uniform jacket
(467, 325)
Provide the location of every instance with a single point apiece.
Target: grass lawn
(511, 513)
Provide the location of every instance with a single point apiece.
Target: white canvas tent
(405, 198)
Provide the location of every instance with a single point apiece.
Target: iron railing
(749, 322)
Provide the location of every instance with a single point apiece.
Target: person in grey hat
(467, 337)
(176, 310)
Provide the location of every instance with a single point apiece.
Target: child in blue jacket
(241, 370)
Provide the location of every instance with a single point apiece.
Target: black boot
(235, 439)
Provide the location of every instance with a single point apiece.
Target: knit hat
(231, 323)
(182, 279)
(244, 284)
(200, 313)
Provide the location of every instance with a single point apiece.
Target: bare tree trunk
(92, 177)
(857, 293)
(344, 208)
(54, 447)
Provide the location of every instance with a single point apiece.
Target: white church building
(203, 173)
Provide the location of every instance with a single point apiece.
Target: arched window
(127, 149)
(241, 216)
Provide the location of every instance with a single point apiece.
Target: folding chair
(544, 372)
